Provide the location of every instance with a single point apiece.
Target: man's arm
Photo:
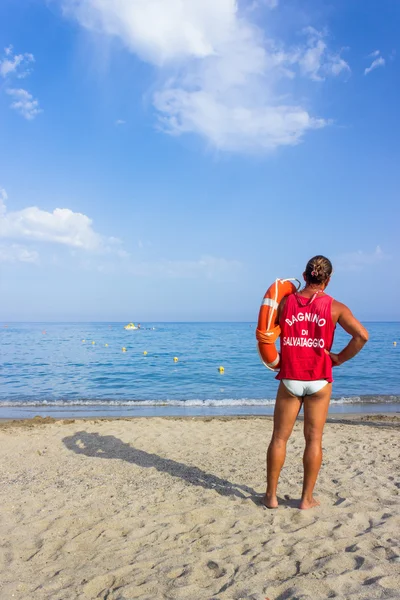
(351, 325)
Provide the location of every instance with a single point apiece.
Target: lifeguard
(305, 321)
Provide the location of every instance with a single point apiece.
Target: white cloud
(120, 122)
(15, 64)
(221, 75)
(316, 61)
(3, 200)
(259, 3)
(62, 226)
(75, 230)
(15, 253)
(24, 103)
(357, 261)
(378, 62)
(236, 127)
(160, 30)
(113, 245)
(374, 53)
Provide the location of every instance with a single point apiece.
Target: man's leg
(315, 412)
(287, 408)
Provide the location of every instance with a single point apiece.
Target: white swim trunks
(304, 388)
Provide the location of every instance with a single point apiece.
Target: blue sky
(168, 160)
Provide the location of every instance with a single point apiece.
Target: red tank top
(306, 332)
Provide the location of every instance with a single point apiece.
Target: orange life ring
(268, 331)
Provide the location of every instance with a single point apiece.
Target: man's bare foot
(306, 504)
(270, 501)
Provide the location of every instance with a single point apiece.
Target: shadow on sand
(110, 447)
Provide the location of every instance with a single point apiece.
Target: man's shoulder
(338, 308)
(338, 305)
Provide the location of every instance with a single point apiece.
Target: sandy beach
(157, 508)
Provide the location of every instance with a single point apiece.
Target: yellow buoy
(145, 352)
(93, 343)
(83, 341)
(106, 345)
(221, 369)
(394, 344)
(123, 349)
(176, 359)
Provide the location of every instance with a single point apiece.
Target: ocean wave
(377, 399)
(227, 402)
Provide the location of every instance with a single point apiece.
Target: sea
(67, 370)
